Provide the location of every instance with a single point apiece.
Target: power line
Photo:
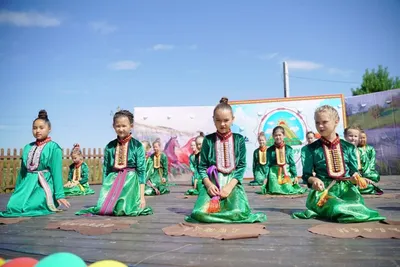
(321, 80)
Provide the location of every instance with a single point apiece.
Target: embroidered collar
(42, 142)
(224, 137)
(125, 140)
(330, 144)
(263, 148)
(280, 145)
(78, 165)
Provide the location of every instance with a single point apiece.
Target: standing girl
(333, 196)
(39, 186)
(78, 175)
(260, 161)
(281, 170)
(196, 160)
(158, 176)
(122, 193)
(222, 198)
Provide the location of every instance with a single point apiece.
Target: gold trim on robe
(225, 154)
(77, 174)
(121, 156)
(262, 156)
(280, 155)
(157, 161)
(334, 161)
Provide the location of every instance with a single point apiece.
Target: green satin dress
(155, 175)
(127, 201)
(260, 171)
(368, 161)
(235, 208)
(83, 188)
(345, 203)
(273, 187)
(194, 164)
(32, 197)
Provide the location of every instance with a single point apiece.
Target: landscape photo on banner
(378, 114)
(177, 127)
(295, 115)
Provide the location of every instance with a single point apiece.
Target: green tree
(376, 81)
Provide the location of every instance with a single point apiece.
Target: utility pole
(285, 79)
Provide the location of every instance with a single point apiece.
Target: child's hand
(317, 184)
(265, 181)
(142, 203)
(163, 180)
(63, 201)
(296, 180)
(226, 191)
(213, 190)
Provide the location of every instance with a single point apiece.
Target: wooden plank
(144, 244)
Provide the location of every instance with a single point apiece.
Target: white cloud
(303, 65)
(341, 72)
(124, 65)
(292, 118)
(269, 131)
(28, 19)
(268, 56)
(294, 128)
(271, 123)
(102, 27)
(161, 47)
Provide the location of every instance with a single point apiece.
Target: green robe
(260, 171)
(83, 188)
(155, 175)
(235, 208)
(368, 162)
(128, 203)
(29, 198)
(345, 205)
(194, 165)
(273, 187)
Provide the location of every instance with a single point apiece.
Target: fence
(10, 164)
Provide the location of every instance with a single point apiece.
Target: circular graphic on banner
(293, 123)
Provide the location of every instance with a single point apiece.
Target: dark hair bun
(224, 100)
(76, 146)
(201, 134)
(43, 115)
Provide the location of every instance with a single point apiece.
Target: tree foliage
(376, 81)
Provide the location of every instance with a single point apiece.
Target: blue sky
(82, 59)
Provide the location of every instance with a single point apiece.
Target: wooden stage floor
(144, 244)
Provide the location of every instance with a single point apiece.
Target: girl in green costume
(157, 178)
(38, 189)
(222, 198)
(352, 135)
(124, 173)
(333, 195)
(78, 175)
(260, 161)
(149, 162)
(281, 173)
(196, 160)
(368, 159)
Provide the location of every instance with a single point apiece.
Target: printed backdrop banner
(176, 127)
(378, 114)
(295, 115)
